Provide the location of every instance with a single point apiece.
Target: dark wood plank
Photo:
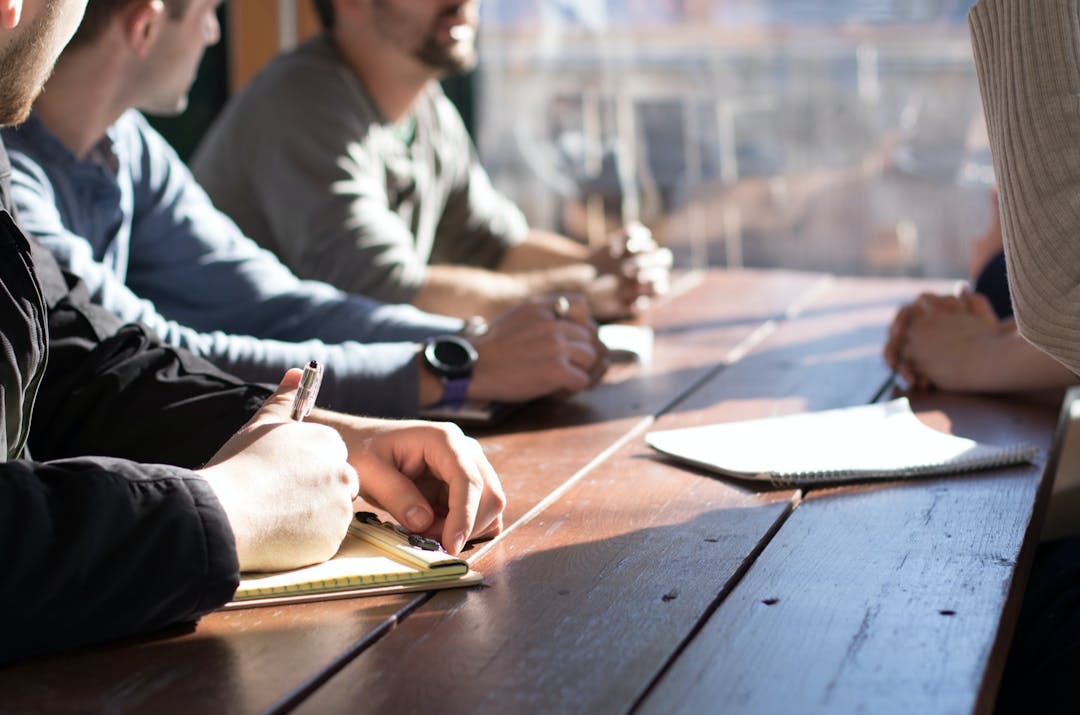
(253, 659)
(582, 605)
(236, 661)
(590, 598)
(883, 598)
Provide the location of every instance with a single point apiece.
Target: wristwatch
(451, 358)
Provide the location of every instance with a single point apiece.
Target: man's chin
(15, 117)
(165, 108)
(452, 63)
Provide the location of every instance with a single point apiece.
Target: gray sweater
(1027, 53)
(305, 163)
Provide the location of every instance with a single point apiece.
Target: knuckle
(476, 481)
(347, 476)
(452, 431)
(498, 498)
(445, 434)
(574, 380)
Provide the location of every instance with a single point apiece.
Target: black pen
(308, 390)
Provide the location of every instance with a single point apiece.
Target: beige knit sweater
(1027, 53)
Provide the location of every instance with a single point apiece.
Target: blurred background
(838, 135)
(744, 132)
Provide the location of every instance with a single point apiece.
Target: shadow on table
(579, 617)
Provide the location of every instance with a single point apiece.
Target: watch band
(454, 391)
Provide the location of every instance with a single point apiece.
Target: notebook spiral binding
(978, 460)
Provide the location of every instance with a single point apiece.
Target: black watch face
(450, 356)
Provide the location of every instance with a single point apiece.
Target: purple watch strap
(454, 391)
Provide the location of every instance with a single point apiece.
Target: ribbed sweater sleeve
(1027, 54)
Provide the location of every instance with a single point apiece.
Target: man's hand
(944, 341)
(531, 351)
(428, 475)
(287, 487)
(631, 270)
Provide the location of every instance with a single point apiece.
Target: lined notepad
(879, 441)
(372, 559)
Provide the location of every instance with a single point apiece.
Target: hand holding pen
(428, 476)
(287, 487)
(308, 391)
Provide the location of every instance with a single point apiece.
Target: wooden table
(625, 583)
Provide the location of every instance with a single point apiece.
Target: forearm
(137, 402)
(464, 291)
(1012, 364)
(1029, 74)
(127, 395)
(248, 292)
(543, 249)
(374, 379)
(353, 428)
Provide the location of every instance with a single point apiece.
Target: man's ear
(10, 13)
(142, 24)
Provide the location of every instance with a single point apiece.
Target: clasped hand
(940, 340)
(531, 351)
(631, 270)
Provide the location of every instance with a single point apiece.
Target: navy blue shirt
(131, 221)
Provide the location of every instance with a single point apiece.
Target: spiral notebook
(375, 558)
(879, 441)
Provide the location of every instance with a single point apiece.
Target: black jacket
(105, 532)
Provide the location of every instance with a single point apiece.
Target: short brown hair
(100, 12)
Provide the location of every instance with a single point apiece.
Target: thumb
(278, 407)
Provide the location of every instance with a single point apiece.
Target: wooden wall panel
(254, 34)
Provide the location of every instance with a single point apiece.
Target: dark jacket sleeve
(115, 390)
(97, 549)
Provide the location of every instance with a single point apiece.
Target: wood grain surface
(883, 598)
(623, 582)
(591, 599)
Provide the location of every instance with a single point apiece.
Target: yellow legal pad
(375, 558)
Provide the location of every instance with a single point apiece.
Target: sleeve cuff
(222, 574)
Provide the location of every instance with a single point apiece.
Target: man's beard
(25, 64)
(455, 58)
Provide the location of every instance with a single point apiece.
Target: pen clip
(308, 390)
